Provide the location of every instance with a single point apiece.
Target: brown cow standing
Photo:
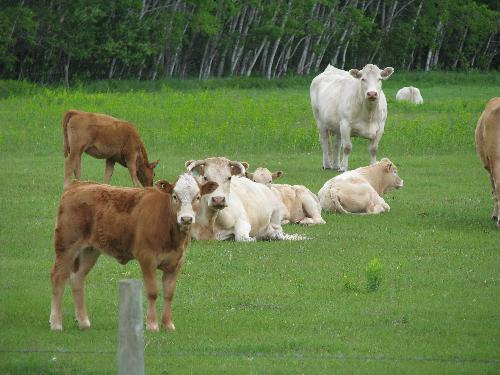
(488, 147)
(104, 137)
(151, 225)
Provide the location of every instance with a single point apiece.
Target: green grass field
(267, 307)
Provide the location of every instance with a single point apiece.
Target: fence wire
(276, 356)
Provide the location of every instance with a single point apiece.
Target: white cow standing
(410, 94)
(349, 103)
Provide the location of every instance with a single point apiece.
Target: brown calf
(104, 137)
(151, 225)
(488, 147)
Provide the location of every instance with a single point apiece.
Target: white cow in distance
(410, 94)
(349, 103)
(360, 190)
(238, 209)
(300, 205)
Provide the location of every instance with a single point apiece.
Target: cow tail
(336, 202)
(66, 118)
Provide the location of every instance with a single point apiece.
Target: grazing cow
(410, 94)
(488, 147)
(151, 225)
(300, 205)
(346, 104)
(105, 137)
(238, 208)
(360, 190)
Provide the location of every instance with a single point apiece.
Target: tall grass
(225, 119)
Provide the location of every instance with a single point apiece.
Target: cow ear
(164, 186)
(153, 164)
(277, 174)
(387, 164)
(246, 165)
(236, 171)
(387, 72)
(355, 73)
(208, 187)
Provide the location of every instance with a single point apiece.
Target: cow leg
(132, 169)
(324, 139)
(336, 151)
(169, 282)
(373, 147)
(345, 134)
(108, 172)
(59, 277)
(242, 231)
(495, 182)
(150, 285)
(72, 165)
(312, 210)
(86, 260)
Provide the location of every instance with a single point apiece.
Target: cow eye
(229, 178)
(174, 197)
(198, 198)
(205, 178)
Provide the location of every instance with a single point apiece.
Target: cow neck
(205, 220)
(373, 174)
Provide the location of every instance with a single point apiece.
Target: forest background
(60, 41)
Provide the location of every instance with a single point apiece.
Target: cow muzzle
(218, 202)
(372, 96)
(399, 184)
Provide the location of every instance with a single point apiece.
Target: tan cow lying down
(360, 190)
(488, 147)
(104, 137)
(151, 225)
(238, 209)
(300, 205)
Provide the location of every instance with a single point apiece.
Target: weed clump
(373, 275)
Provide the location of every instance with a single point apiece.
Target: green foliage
(374, 272)
(149, 39)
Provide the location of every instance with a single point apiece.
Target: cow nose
(219, 201)
(372, 95)
(185, 220)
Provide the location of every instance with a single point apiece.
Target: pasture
(267, 307)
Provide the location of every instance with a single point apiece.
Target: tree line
(54, 40)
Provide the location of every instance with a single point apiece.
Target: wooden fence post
(131, 329)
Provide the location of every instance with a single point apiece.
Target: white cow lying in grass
(360, 190)
(238, 208)
(410, 94)
(300, 205)
(349, 104)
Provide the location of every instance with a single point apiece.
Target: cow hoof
(152, 327)
(170, 326)
(56, 326)
(84, 324)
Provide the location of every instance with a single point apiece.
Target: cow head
(185, 198)
(391, 178)
(219, 170)
(264, 176)
(371, 80)
(145, 172)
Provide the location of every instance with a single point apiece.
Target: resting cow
(238, 208)
(360, 190)
(104, 137)
(349, 103)
(410, 94)
(488, 147)
(300, 205)
(151, 225)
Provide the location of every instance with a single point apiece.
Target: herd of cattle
(217, 198)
